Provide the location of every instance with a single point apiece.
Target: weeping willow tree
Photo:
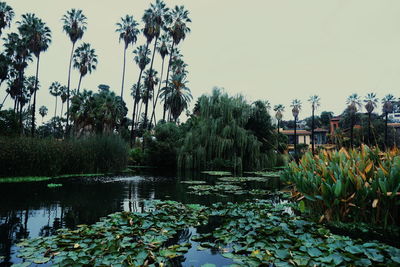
(217, 137)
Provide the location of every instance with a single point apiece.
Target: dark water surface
(32, 209)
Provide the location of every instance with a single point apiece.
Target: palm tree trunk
(158, 94)
(351, 131)
(386, 131)
(123, 75)
(55, 110)
(2, 103)
(295, 138)
(79, 84)
(34, 97)
(312, 131)
(21, 125)
(369, 129)
(148, 89)
(139, 112)
(134, 109)
(278, 127)
(68, 87)
(166, 81)
(62, 109)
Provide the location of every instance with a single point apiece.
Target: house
(334, 124)
(320, 136)
(303, 137)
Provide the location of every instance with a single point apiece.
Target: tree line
(164, 30)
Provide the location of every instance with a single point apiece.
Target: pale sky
(270, 50)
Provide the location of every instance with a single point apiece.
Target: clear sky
(271, 50)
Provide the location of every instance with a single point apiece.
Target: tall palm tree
(55, 90)
(178, 30)
(39, 39)
(85, 60)
(16, 48)
(142, 59)
(6, 16)
(315, 103)
(128, 32)
(353, 104)
(164, 51)
(387, 107)
(296, 107)
(74, 26)
(43, 111)
(5, 69)
(279, 109)
(150, 81)
(155, 18)
(180, 95)
(371, 103)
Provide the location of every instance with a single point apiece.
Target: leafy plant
(355, 185)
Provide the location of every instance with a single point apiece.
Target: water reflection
(33, 209)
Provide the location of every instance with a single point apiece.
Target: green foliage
(136, 156)
(256, 233)
(161, 151)
(218, 135)
(49, 157)
(9, 123)
(53, 185)
(349, 186)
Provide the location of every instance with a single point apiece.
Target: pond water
(29, 210)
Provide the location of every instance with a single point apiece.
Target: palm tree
(353, 104)
(178, 30)
(5, 68)
(128, 32)
(279, 109)
(296, 107)
(6, 16)
(63, 96)
(180, 95)
(55, 90)
(164, 51)
(315, 103)
(150, 81)
(155, 18)
(43, 111)
(39, 38)
(371, 103)
(74, 26)
(85, 60)
(142, 59)
(387, 107)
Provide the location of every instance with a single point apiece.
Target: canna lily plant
(351, 186)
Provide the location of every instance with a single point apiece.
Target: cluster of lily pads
(222, 189)
(257, 233)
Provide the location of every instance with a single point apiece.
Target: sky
(270, 50)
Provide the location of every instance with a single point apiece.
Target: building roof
(298, 132)
(321, 130)
(336, 118)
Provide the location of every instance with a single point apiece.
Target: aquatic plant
(53, 185)
(256, 233)
(355, 185)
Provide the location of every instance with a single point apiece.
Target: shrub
(349, 186)
(29, 156)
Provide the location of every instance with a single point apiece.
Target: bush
(49, 157)
(349, 186)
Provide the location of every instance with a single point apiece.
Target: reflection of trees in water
(13, 227)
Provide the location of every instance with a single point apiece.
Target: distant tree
(74, 26)
(85, 60)
(315, 103)
(278, 115)
(6, 16)
(353, 104)
(128, 32)
(325, 118)
(39, 39)
(43, 111)
(296, 107)
(387, 107)
(371, 103)
(55, 90)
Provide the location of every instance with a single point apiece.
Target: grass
(53, 185)
(26, 179)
